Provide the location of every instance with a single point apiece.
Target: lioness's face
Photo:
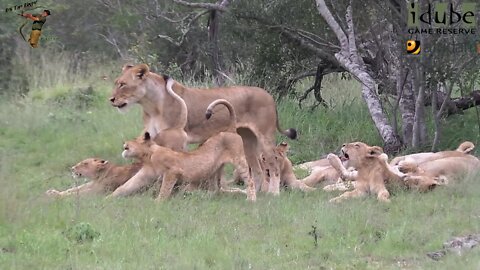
(89, 167)
(357, 153)
(130, 86)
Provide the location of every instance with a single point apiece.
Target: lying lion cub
(371, 172)
(196, 166)
(462, 150)
(105, 177)
(279, 171)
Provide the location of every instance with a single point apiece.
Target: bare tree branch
(220, 7)
(336, 28)
(352, 45)
(188, 28)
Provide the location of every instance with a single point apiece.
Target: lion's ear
(126, 67)
(146, 136)
(374, 151)
(142, 70)
(282, 148)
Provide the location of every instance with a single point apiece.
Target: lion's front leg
(246, 175)
(349, 194)
(294, 183)
(337, 164)
(86, 188)
(383, 195)
(141, 179)
(169, 180)
(252, 153)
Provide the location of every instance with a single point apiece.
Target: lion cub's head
(138, 148)
(130, 86)
(273, 165)
(358, 154)
(89, 168)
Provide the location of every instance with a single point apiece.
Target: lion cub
(105, 177)
(371, 172)
(278, 171)
(191, 167)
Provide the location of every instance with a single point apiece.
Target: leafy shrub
(81, 232)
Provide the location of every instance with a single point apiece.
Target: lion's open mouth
(344, 156)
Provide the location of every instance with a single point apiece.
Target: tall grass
(41, 140)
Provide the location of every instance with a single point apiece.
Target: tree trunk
(217, 61)
(419, 128)
(350, 59)
(407, 104)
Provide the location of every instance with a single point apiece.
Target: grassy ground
(40, 141)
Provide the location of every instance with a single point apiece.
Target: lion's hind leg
(141, 179)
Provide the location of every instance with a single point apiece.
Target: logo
(413, 47)
(441, 18)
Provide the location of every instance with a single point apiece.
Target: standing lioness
(256, 111)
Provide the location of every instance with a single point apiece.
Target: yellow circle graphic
(413, 47)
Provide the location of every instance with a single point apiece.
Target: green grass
(40, 141)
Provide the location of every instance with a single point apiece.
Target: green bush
(81, 232)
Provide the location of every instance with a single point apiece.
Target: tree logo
(413, 47)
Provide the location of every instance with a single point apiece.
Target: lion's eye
(121, 84)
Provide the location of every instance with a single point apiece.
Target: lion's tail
(466, 147)
(233, 116)
(182, 122)
(290, 133)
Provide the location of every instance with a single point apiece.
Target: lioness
(463, 149)
(192, 167)
(371, 172)
(442, 170)
(279, 171)
(105, 177)
(255, 108)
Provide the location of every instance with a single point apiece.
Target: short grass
(40, 141)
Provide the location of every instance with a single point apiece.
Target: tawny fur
(463, 150)
(175, 137)
(192, 167)
(104, 177)
(442, 171)
(371, 172)
(279, 171)
(256, 111)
